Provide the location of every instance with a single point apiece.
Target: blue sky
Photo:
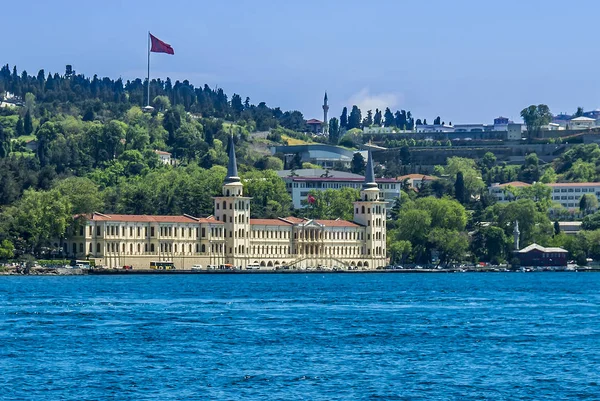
(467, 61)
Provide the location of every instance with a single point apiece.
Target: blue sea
(469, 336)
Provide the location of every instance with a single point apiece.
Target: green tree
(591, 222)
(39, 217)
(530, 171)
(588, 203)
(549, 176)
(264, 187)
(581, 171)
(161, 103)
(331, 204)
(388, 117)
(358, 164)
(82, 194)
(579, 112)
(7, 250)
(451, 246)
(534, 224)
(377, 118)
(399, 250)
(4, 143)
(491, 244)
(535, 117)
(28, 123)
(471, 174)
(20, 128)
(354, 121)
(334, 131)
(344, 118)
(488, 160)
(556, 228)
(459, 187)
(368, 120)
(539, 193)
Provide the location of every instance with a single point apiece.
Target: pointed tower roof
(232, 173)
(325, 97)
(369, 174)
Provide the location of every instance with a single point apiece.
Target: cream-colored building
(231, 237)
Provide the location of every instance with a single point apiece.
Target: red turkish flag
(311, 199)
(158, 46)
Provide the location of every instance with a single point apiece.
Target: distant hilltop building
(326, 156)
(317, 126)
(302, 181)
(589, 120)
(231, 238)
(567, 194)
(165, 157)
(10, 100)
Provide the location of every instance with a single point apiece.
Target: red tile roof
(293, 220)
(337, 223)
(270, 222)
(340, 179)
(142, 218)
(162, 152)
(515, 184)
(416, 176)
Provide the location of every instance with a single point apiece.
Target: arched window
(224, 205)
(151, 247)
(97, 248)
(130, 248)
(90, 248)
(139, 248)
(203, 248)
(363, 209)
(175, 247)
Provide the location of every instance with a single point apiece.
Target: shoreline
(136, 272)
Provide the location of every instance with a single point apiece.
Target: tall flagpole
(148, 68)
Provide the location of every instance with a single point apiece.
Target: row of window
(574, 190)
(115, 247)
(239, 205)
(377, 209)
(165, 231)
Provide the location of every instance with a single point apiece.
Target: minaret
(516, 234)
(369, 212)
(233, 209)
(325, 111)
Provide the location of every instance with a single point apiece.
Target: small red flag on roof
(158, 46)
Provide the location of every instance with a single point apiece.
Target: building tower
(369, 212)
(516, 234)
(233, 209)
(325, 111)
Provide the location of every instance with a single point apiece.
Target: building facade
(231, 238)
(539, 256)
(301, 182)
(567, 194)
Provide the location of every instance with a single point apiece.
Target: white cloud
(371, 101)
